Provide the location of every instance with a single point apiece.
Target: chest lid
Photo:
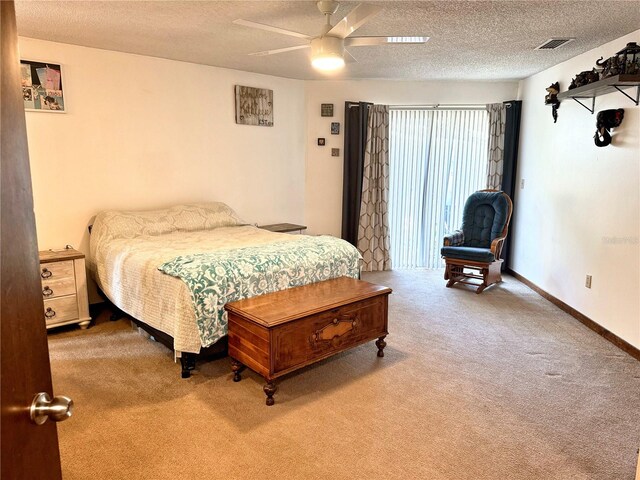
(298, 302)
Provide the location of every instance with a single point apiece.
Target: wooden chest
(64, 287)
(280, 332)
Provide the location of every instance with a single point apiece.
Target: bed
(173, 270)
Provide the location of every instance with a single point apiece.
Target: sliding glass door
(437, 158)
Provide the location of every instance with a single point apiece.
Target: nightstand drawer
(59, 286)
(56, 271)
(61, 309)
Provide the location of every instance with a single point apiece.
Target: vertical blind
(437, 158)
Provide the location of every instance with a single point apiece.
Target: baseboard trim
(596, 327)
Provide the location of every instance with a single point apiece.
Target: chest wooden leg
(380, 343)
(269, 389)
(237, 369)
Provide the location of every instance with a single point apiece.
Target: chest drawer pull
(50, 312)
(47, 292)
(46, 273)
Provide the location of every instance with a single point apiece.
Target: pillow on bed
(198, 216)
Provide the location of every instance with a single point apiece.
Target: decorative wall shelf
(602, 87)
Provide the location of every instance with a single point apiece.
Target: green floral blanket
(215, 279)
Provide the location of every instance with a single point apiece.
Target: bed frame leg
(188, 362)
(116, 314)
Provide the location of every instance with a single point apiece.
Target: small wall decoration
(605, 121)
(629, 59)
(626, 61)
(609, 67)
(321, 142)
(326, 109)
(254, 106)
(335, 152)
(551, 98)
(335, 128)
(584, 78)
(42, 86)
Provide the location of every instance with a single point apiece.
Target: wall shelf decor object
(607, 85)
(551, 98)
(42, 86)
(326, 109)
(254, 106)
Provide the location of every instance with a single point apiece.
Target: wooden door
(28, 451)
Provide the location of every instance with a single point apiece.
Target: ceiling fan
(328, 49)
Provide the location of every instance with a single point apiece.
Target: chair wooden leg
(484, 283)
(490, 275)
(494, 274)
(453, 273)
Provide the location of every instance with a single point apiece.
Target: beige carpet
(501, 385)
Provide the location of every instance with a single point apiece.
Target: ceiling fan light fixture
(327, 53)
(327, 63)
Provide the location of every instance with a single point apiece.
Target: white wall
(143, 132)
(579, 212)
(323, 209)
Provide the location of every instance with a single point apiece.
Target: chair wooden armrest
(496, 247)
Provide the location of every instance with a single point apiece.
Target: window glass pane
(437, 158)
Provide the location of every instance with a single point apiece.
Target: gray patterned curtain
(497, 120)
(373, 229)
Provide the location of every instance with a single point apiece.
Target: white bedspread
(126, 269)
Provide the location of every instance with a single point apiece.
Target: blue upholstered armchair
(477, 246)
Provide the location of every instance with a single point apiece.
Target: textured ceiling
(470, 40)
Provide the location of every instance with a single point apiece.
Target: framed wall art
(42, 89)
(254, 106)
(326, 109)
(321, 142)
(335, 152)
(335, 128)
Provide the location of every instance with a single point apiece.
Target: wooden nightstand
(64, 288)
(284, 227)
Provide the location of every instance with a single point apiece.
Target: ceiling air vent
(554, 43)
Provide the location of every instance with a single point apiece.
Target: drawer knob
(50, 313)
(46, 273)
(47, 292)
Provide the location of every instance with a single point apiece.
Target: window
(437, 158)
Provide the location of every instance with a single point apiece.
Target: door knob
(43, 407)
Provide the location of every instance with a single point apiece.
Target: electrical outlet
(521, 184)
(587, 282)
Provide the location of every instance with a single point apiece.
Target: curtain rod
(438, 106)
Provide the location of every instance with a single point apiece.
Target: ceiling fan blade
(278, 50)
(369, 41)
(348, 58)
(354, 20)
(270, 28)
